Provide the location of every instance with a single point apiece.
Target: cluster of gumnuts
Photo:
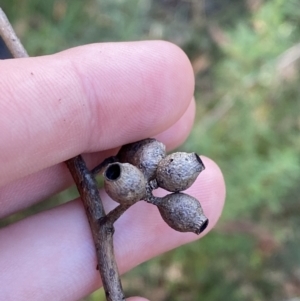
(143, 166)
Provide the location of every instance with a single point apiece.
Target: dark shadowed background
(245, 55)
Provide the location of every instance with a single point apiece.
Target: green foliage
(247, 121)
(257, 137)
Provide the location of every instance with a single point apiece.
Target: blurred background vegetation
(245, 55)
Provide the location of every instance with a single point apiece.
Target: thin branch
(10, 38)
(113, 215)
(102, 230)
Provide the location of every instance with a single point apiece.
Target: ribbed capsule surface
(183, 213)
(144, 154)
(124, 183)
(178, 171)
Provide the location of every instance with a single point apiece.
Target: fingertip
(181, 64)
(152, 77)
(156, 84)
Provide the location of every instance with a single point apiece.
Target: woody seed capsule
(144, 154)
(178, 171)
(182, 213)
(124, 183)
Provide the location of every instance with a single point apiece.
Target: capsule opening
(200, 161)
(113, 172)
(203, 226)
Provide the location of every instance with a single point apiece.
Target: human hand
(90, 99)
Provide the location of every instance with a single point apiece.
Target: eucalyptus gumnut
(182, 212)
(124, 183)
(144, 154)
(178, 171)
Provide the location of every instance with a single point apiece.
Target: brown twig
(102, 227)
(10, 38)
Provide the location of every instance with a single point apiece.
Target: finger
(87, 99)
(45, 183)
(51, 256)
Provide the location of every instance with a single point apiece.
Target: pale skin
(90, 99)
